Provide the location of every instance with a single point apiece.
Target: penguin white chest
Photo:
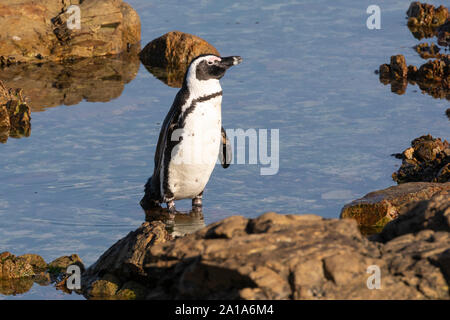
(194, 157)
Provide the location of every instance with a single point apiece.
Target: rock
(123, 261)
(427, 51)
(443, 34)
(38, 31)
(15, 110)
(12, 267)
(433, 214)
(275, 257)
(52, 84)
(37, 262)
(398, 67)
(426, 160)
(434, 70)
(376, 209)
(433, 77)
(132, 290)
(169, 56)
(447, 112)
(423, 14)
(60, 264)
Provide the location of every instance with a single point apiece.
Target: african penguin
(191, 137)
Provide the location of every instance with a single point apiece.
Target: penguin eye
(210, 63)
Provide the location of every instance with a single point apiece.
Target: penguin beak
(227, 62)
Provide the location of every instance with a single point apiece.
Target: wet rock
(423, 19)
(15, 110)
(12, 267)
(426, 160)
(376, 209)
(427, 51)
(276, 257)
(60, 264)
(37, 262)
(423, 14)
(432, 214)
(38, 31)
(105, 287)
(443, 34)
(53, 84)
(434, 70)
(123, 262)
(169, 56)
(396, 70)
(132, 290)
(433, 77)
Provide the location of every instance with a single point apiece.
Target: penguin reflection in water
(191, 137)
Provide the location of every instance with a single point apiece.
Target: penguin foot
(197, 202)
(171, 207)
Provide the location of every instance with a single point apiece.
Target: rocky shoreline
(403, 230)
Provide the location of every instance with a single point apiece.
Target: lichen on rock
(428, 159)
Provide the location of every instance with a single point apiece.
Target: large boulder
(373, 211)
(271, 257)
(169, 56)
(34, 31)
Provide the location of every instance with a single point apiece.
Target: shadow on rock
(433, 77)
(424, 19)
(52, 84)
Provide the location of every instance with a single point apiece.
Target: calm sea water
(74, 185)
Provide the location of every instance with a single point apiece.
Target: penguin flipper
(225, 153)
(150, 200)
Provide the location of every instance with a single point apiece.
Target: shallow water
(74, 185)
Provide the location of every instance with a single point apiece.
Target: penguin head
(209, 67)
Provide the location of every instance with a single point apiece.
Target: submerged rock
(271, 257)
(427, 51)
(423, 19)
(169, 56)
(433, 77)
(428, 159)
(15, 118)
(424, 14)
(37, 31)
(376, 209)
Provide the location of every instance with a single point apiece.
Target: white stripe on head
(198, 88)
